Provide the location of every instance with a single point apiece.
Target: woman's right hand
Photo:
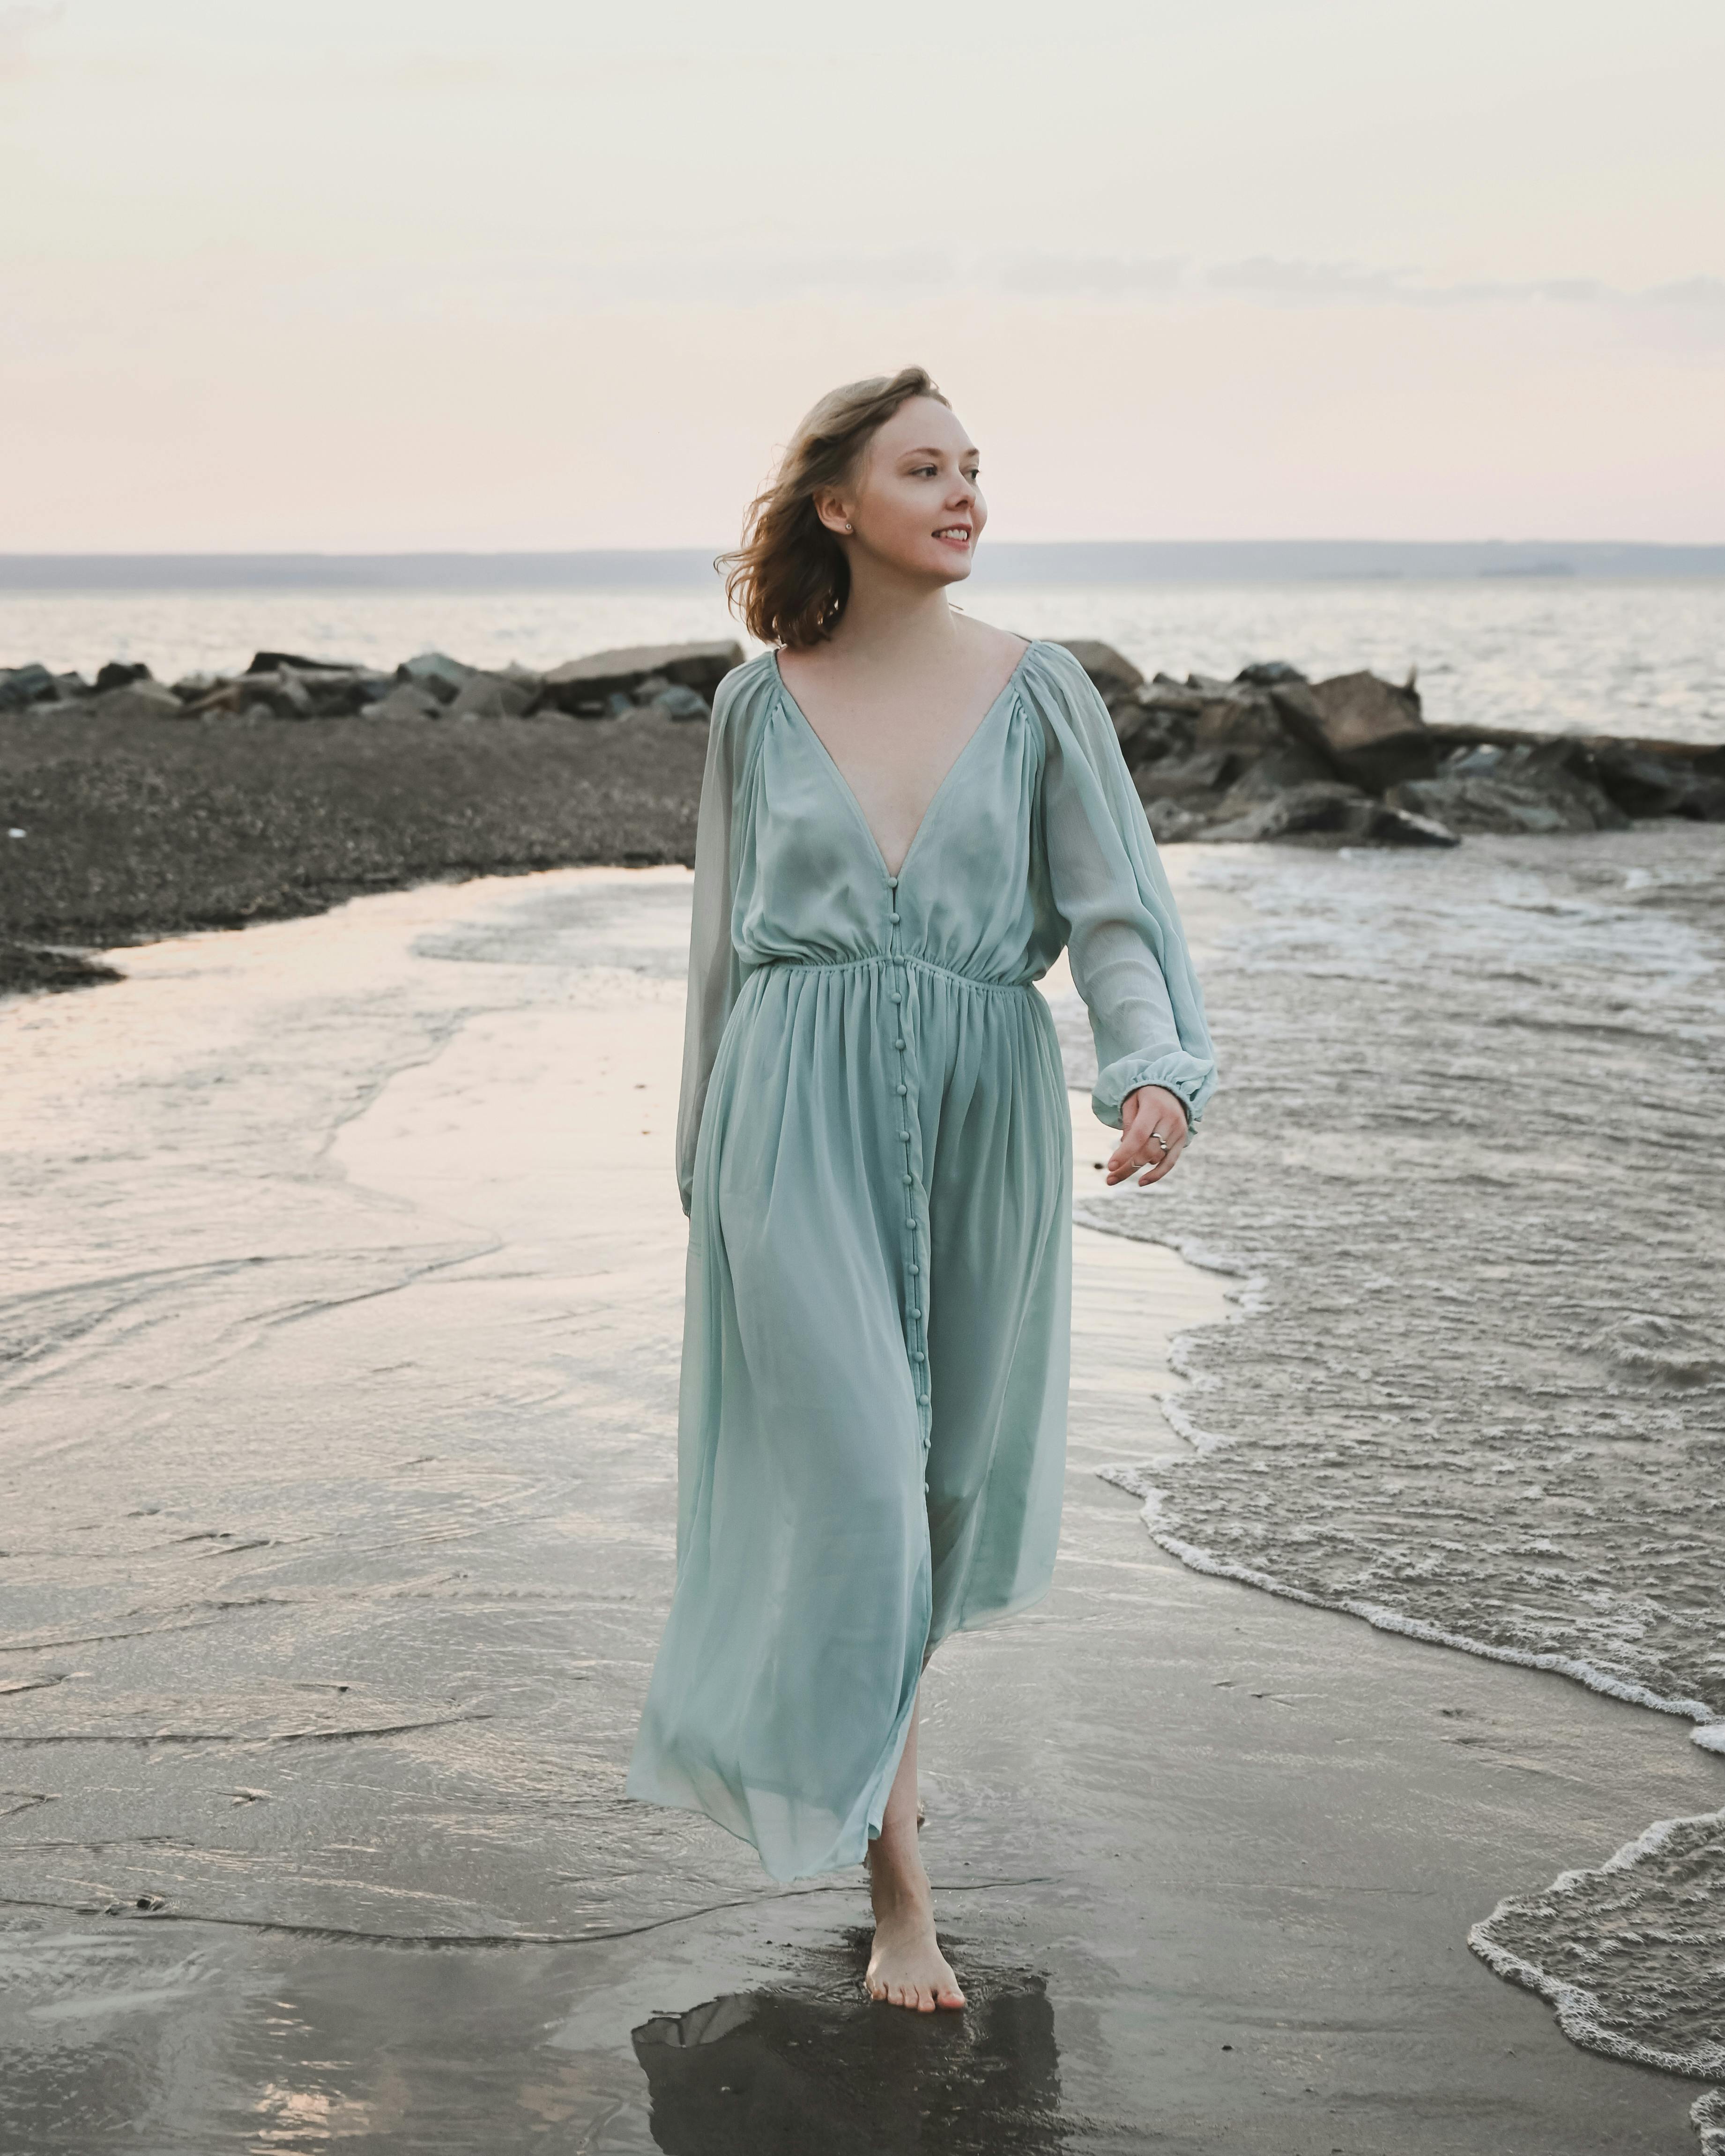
(1153, 1135)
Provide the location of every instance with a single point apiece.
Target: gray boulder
(1478, 804)
(282, 695)
(1113, 674)
(30, 684)
(1168, 694)
(1530, 788)
(290, 692)
(1644, 784)
(437, 671)
(1157, 720)
(1250, 723)
(681, 704)
(1327, 813)
(1172, 822)
(405, 699)
(1371, 732)
(1288, 764)
(493, 696)
(584, 687)
(1147, 733)
(1203, 772)
(340, 693)
(1272, 673)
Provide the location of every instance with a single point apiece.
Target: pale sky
(348, 274)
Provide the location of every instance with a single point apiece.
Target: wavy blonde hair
(789, 579)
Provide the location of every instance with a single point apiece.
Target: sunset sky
(401, 274)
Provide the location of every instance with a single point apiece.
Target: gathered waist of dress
(874, 960)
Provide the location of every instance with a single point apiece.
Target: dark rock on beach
(1270, 755)
(1113, 674)
(22, 685)
(1371, 732)
(493, 696)
(118, 673)
(445, 677)
(1351, 761)
(590, 688)
(1328, 810)
(141, 810)
(272, 662)
(403, 700)
(1547, 788)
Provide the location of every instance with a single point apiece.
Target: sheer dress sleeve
(1127, 948)
(716, 975)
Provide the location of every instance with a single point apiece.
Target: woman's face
(915, 505)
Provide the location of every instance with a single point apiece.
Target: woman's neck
(885, 614)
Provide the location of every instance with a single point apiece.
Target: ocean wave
(1466, 1165)
(1628, 1955)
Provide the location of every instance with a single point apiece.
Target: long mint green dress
(875, 1154)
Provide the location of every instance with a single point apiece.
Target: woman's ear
(833, 512)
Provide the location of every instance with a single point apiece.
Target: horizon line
(1025, 560)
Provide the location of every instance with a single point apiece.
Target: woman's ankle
(895, 1863)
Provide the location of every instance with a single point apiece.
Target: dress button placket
(915, 1343)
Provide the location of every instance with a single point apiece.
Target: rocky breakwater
(1351, 761)
(132, 808)
(676, 679)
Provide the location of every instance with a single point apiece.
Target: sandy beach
(338, 1461)
(424, 414)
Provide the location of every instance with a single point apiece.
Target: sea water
(1466, 1169)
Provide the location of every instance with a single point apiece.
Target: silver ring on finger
(1160, 1139)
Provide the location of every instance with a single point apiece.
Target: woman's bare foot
(907, 1967)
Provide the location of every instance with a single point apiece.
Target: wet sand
(339, 1310)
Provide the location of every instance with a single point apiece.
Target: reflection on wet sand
(755, 2073)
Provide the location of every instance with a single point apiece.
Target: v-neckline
(849, 791)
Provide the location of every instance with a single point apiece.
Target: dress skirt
(879, 1275)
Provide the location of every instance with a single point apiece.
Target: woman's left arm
(1156, 1067)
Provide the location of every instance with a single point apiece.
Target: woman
(905, 815)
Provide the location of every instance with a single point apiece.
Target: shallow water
(1560, 655)
(1466, 1170)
